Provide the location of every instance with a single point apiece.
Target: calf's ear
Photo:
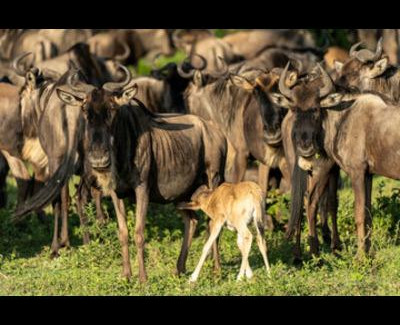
(280, 100)
(378, 68)
(198, 78)
(69, 99)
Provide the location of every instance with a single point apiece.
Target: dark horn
(16, 62)
(125, 55)
(353, 49)
(282, 83)
(183, 74)
(328, 85)
(203, 60)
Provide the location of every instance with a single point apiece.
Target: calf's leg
(216, 227)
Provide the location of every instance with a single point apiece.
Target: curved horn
(82, 87)
(282, 84)
(367, 55)
(125, 55)
(183, 74)
(328, 85)
(203, 60)
(16, 62)
(298, 65)
(113, 86)
(353, 49)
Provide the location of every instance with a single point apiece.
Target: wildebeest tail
(49, 191)
(299, 185)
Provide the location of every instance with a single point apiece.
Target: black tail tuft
(48, 192)
(299, 185)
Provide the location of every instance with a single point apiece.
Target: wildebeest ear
(332, 100)
(69, 98)
(338, 66)
(378, 68)
(31, 79)
(130, 92)
(291, 79)
(198, 78)
(280, 100)
(241, 82)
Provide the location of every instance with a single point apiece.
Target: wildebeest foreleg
(358, 180)
(64, 215)
(317, 184)
(263, 180)
(82, 195)
(142, 199)
(190, 221)
(123, 234)
(96, 194)
(333, 206)
(55, 246)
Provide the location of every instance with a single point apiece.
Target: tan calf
(236, 205)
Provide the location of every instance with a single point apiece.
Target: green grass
(26, 268)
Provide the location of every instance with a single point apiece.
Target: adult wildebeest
(390, 44)
(19, 140)
(163, 91)
(96, 70)
(250, 43)
(64, 39)
(210, 48)
(369, 71)
(123, 45)
(155, 41)
(240, 105)
(14, 42)
(303, 176)
(151, 157)
(330, 123)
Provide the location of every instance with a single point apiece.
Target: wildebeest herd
(186, 133)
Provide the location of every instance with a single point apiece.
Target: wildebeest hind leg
(190, 221)
(55, 246)
(82, 195)
(64, 215)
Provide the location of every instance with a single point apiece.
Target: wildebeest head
(306, 99)
(260, 85)
(362, 67)
(99, 106)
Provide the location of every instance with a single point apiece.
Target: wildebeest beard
(307, 133)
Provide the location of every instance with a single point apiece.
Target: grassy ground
(26, 268)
